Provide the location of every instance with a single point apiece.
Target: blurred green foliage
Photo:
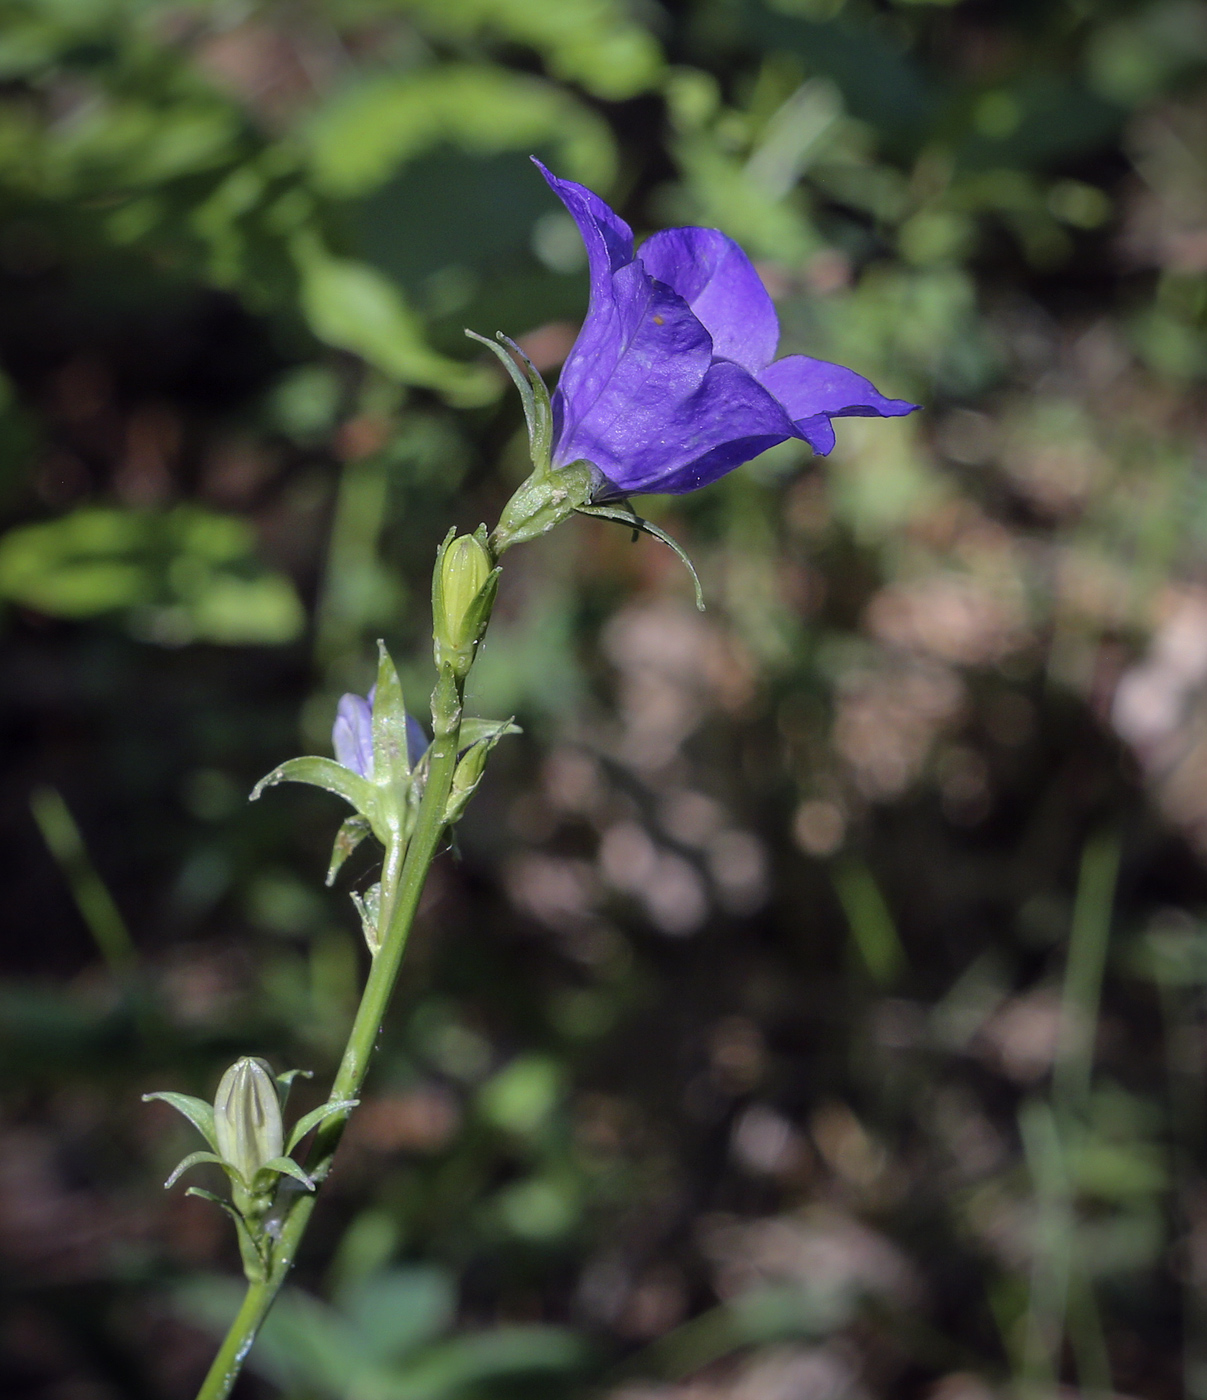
(782, 1024)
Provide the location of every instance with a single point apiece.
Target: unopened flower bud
(247, 1117)
(462, 592)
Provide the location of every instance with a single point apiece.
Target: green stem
(229, 1362)
(399, 905)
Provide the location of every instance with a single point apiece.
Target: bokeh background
(813, 1007)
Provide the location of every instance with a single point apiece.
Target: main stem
(401, 892)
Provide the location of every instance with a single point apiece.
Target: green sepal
(624, 514)
(540, 431)
(284, 1082)
(197, 1111)
(368, 906)
(470, 767)
(317, 1116)
(254, 1263)
(534, 394)
(351, 833)
(391, 757)
(194, 1159)
(473, 731)
(478, 613)
(281, 1166)
(323, 773)
(438, 608)
(543, 501)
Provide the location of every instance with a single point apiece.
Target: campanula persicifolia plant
(672, 383)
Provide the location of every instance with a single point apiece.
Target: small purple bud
(352, 734)
(417, 740)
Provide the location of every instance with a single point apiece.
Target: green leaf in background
(592, 42)
(476, 1359)
(397, 1310)
(521, 1097)
(303, 1340)
(379, 1345)
(365, 133)
(354, 307)
(180, 576)
(134, 143)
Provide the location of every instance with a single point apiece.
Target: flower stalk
(403, 878)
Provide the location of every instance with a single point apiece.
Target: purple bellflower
(673, 379)
(352, 735)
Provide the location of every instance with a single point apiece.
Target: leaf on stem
(391, 754)
(316, 1116)
(323, 773)
(192, 1160)
(352, 832)
(254, 1262)
(473, 731)
(284, 1082)
(472, 765)
(283, 1166)
(197, 1111)
(368, 906)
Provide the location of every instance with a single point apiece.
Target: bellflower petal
(417, 740)
(352, 734)
(810, 389)
(718, 282)
(680, 444)
(609, 243)
(671, 383)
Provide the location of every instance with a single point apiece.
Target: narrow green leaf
(517, 378)
(540, 431)
(351, 833)
(253, 1256)
(197, 1111)
(368, 906)
(475, 730)
(284, 1166)
(100, 912)
(217, 1200)
(323, 773)
(317, 1116)
(284, 1082)
(870, 920)
(626, 515)
(391, 758)
(192, 1160)
(470, 767)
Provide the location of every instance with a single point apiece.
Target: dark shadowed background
(814, 1005)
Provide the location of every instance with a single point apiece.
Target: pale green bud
(463, 589)
(464, 569)
(247, 1117)
(472, 763)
